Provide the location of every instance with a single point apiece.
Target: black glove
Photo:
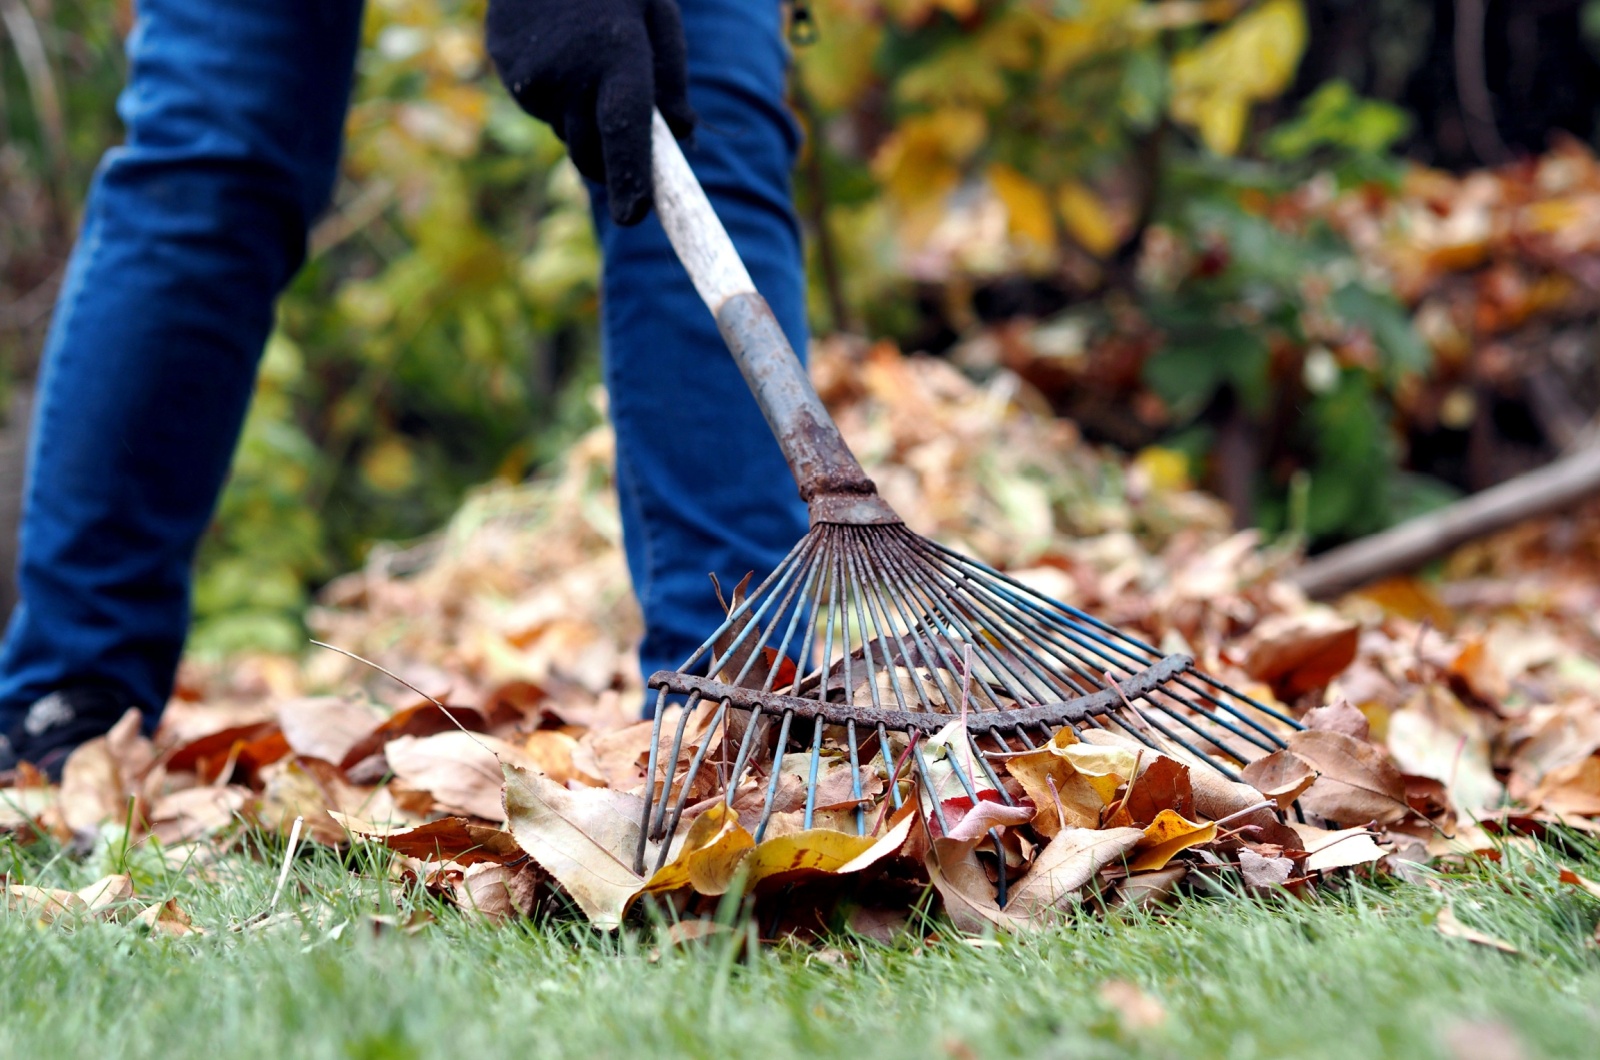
(592, 69)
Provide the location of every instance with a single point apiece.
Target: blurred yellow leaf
(920, 162)
(916, 12)
(1027, 205)
(1087, 218)
(1164, 469)
(838, 67)
(389, 466)
(1252, 59)
(1105, 768)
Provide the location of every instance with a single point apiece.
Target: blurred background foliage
(1116, 198)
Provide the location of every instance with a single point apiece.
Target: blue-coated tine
(855, 777)
(811, 777)
(650, 782)
(889, 765)
(688, 781)
(671, 766)
(710, 642)
(777, 765)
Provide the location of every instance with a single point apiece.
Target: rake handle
(830, 478)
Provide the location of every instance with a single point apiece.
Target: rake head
(868, 639)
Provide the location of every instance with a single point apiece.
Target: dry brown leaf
(103, 898)
(1356, 784)
(44, 904)
(449, 839)
(461, 770)
(1162, 784)
(1281, 776)
(551, 751)
(1296, 653)
(1451, 927)
(1339, 849)
(497, 891)
(1588, 886)
(326, 727)
(1068, 862)
(1572, 789)
(1062, 798)
(1435, 736)
(1263, 873)
(969, 821)
(1339, 716)
(420, 719)
(964, 888)
(580, 838)
(193, 813)
(165, 918)
(1135, 1009)
(101, 775)
(1144, 890)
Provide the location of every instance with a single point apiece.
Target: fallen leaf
(449, 839)
(106, 895)
(1067, 863)
(461, 770)
(421, 719)
(1357, 784)
(44, 904)
(1281, 776)
(1337, 850)
(165, 918)
(194, 813)
(578, 837)
(1062, 797)
(1162, 784)
(1143, 890)
(1296, 653)
(1339, 716)
(1135, 1009)
(1451, 927)
(325, 727)
(1168, 836)
(709, 859)
(1105, 768)
(969, 821)
(1585, 884)
(1262, 873)
(496, 891)
(102, 774)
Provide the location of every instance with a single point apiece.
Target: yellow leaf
(1027, 205)
(1105, 768)
(1062, 796)
(709, 859)
(1253, 59)
(1167, 836)
(1167, 470)
(1087, 219)
(827, 852)
(921, 161)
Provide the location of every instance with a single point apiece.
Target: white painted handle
(699, 238)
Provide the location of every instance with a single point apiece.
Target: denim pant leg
(234, 114)
(702, 483)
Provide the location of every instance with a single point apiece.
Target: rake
(868, 639)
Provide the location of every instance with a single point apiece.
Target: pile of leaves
(1441, 719)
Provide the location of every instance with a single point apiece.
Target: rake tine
(802, 545)
(688, 781)
(811, 780)
(772, 785)
(671, 766)
(888, 765)
(757, 720)
(788, 633)
(855, 778)
(650, 783)
(789, 586)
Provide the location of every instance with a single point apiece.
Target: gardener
(234, 111)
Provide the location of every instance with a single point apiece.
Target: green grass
(1360, 973)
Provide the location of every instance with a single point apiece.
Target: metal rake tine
(688, 781)
(710, 642)
(757, 721)
(777, 763)
(650, 782)
(671, 767)
(789, 586)
(794, 620)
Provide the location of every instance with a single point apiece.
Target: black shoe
(58, 723)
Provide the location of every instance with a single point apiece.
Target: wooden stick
(1555, 487)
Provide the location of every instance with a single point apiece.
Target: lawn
(1361, 972)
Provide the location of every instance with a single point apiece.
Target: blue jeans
(234, 112)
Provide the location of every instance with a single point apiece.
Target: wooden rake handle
(828, 474)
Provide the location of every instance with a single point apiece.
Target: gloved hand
(592, 69)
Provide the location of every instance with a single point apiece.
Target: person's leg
(702, 483)
(234, 114)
